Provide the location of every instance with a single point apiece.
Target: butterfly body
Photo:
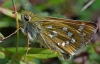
(66, 36)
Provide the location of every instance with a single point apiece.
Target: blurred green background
(71, 9)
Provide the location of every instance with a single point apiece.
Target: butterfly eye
(26, 17)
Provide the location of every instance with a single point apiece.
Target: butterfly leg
(12, 33)
(27, 46)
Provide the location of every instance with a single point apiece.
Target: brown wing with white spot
(61, 36)
(87, 29)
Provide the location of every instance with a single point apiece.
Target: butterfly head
(26, 16)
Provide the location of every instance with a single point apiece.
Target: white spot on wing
(67, 42)
(73, 40)
(51, 35)
(84, 34)
(49, 27)
(55, 33)
(58, 43)
(81, 28)
(70, 34)
(63, 43)
(64, 29)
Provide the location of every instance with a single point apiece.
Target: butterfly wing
(87, 29)
(61, 36)
(67, 35)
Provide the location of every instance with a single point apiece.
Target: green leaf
(39, 53)
(42, 53)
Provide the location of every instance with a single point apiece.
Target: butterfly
(64, 35)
